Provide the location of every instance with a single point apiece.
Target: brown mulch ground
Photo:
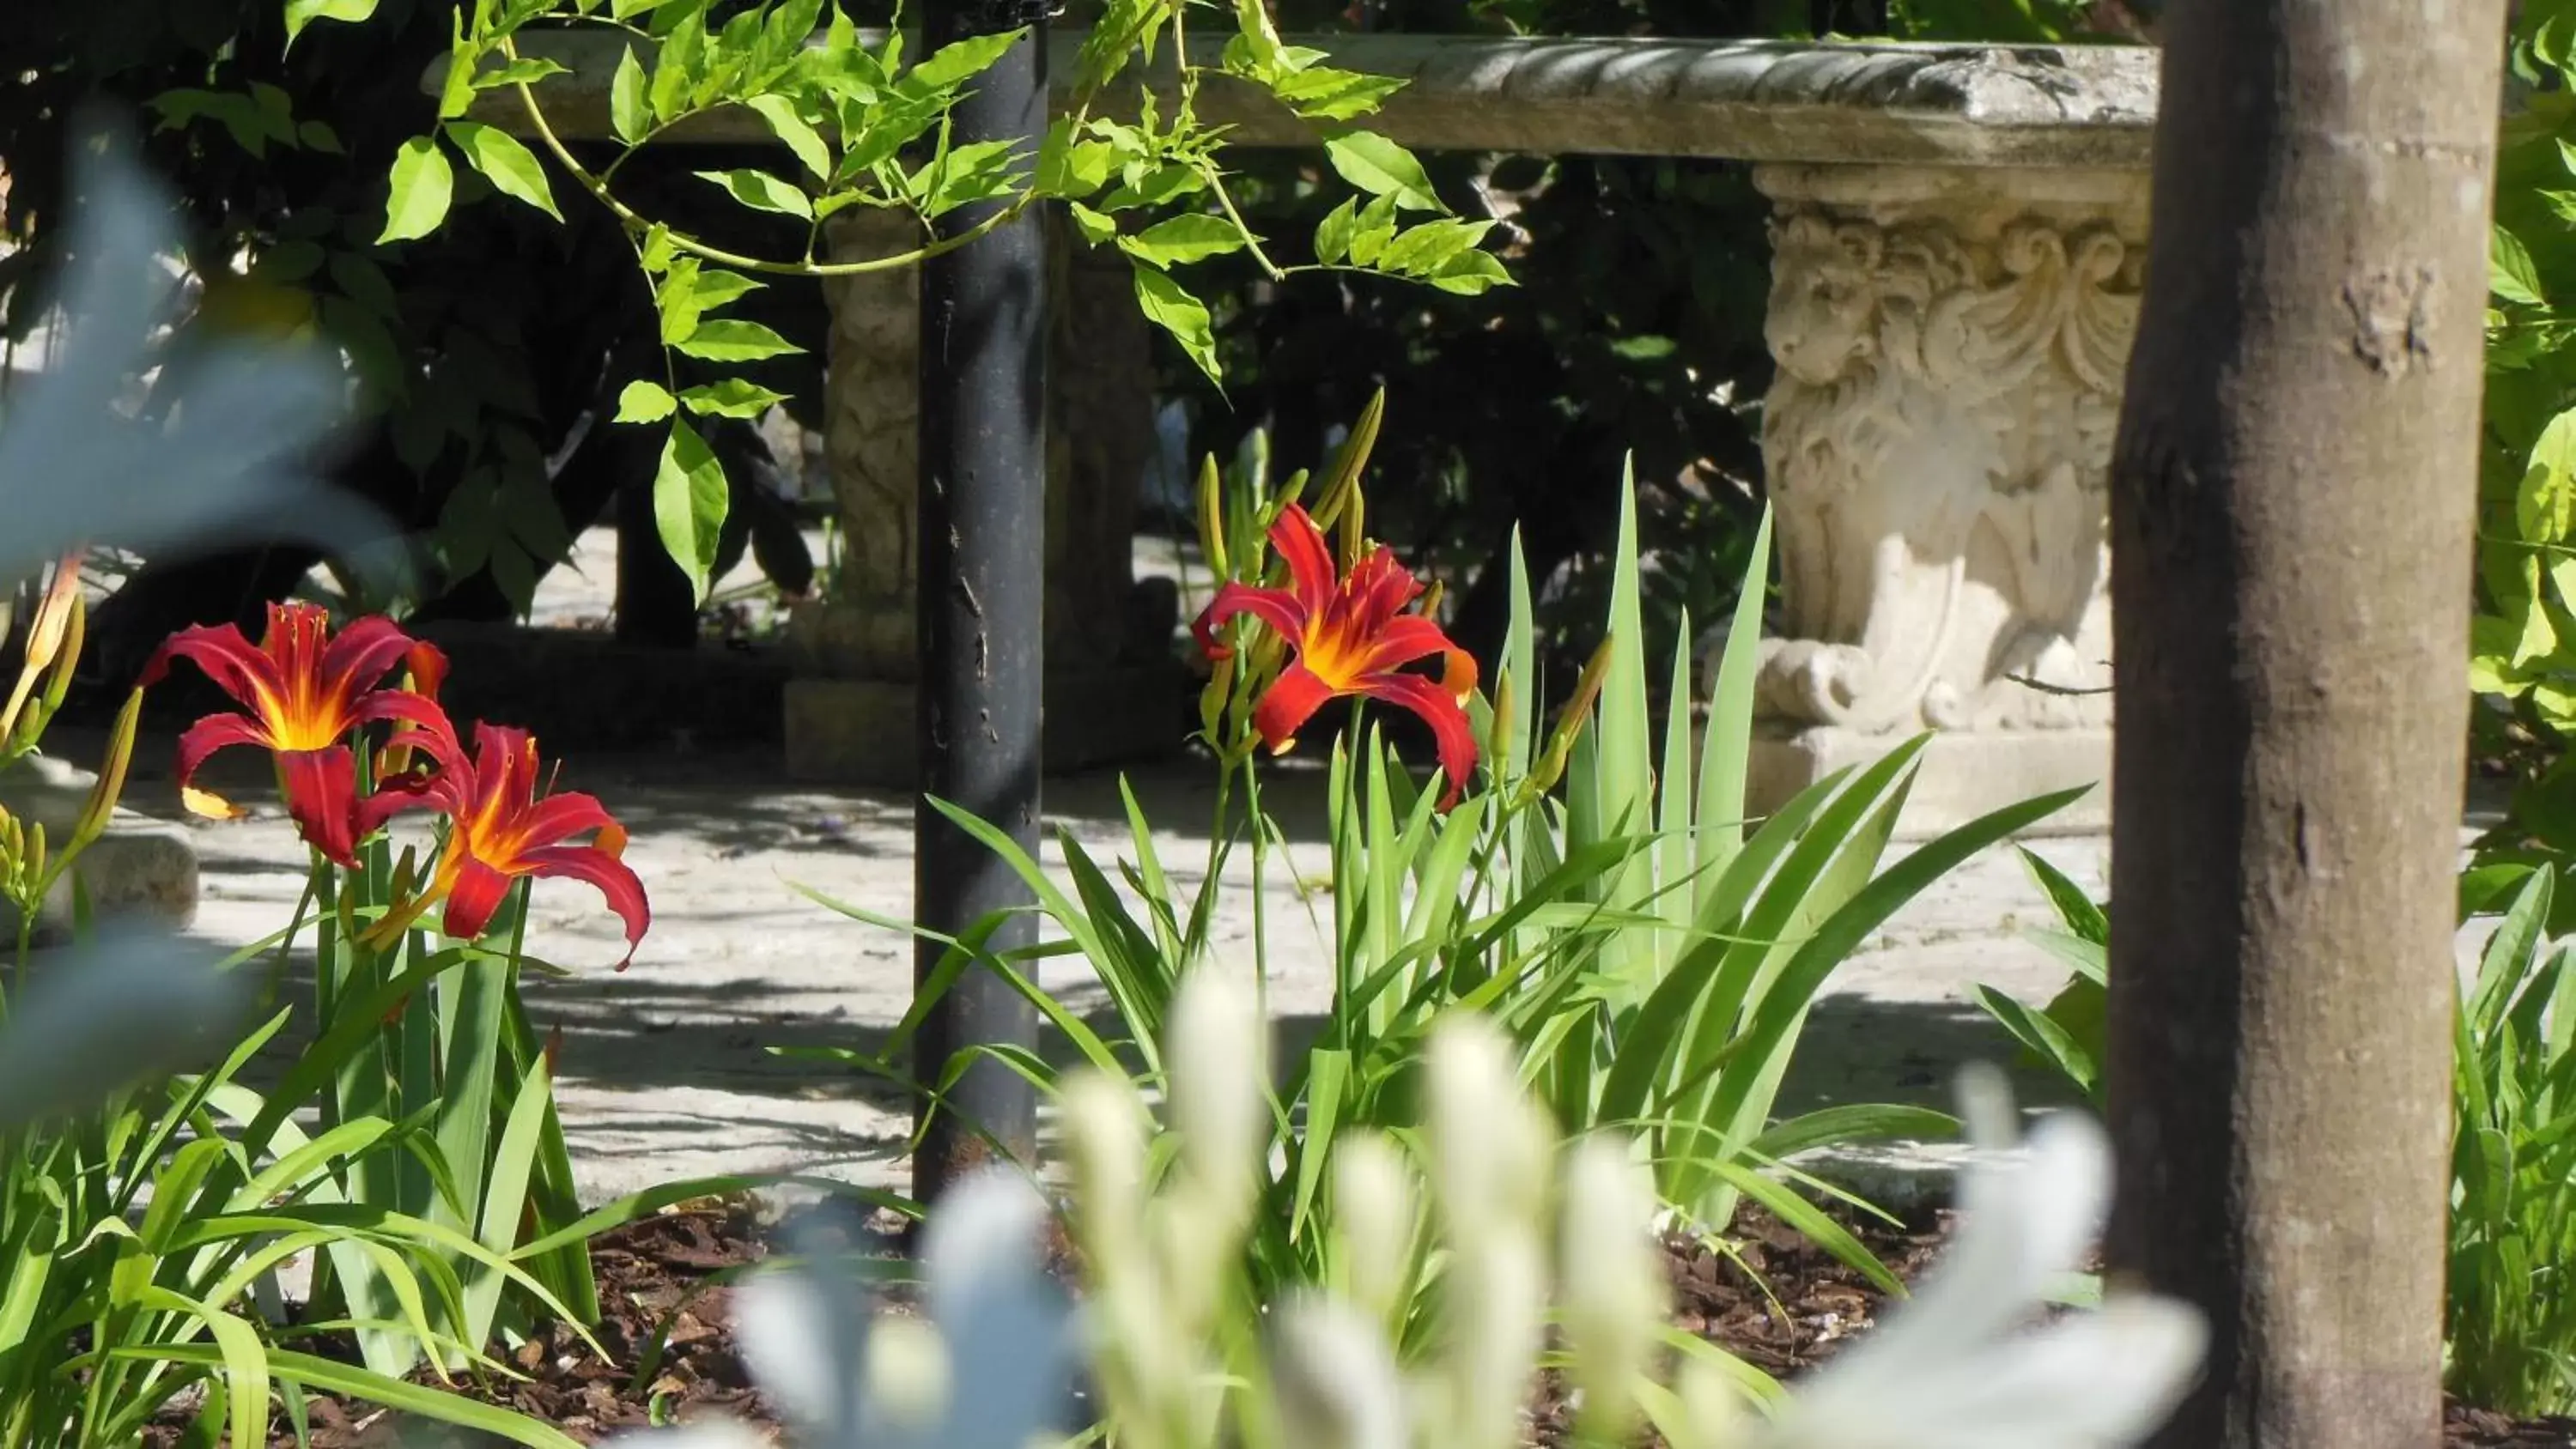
(653, 1281)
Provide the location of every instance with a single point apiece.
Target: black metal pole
(983, 555)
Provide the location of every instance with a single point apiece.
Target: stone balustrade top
(1949, 105)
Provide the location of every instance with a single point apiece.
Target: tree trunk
(2291, 508)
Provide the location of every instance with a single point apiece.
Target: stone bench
(1957, 253)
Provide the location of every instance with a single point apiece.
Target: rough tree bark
(2291, 508)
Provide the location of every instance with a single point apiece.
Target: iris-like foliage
(1516, 1231)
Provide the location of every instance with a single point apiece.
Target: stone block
(1962, 775)
(142, 869)
(860, 731)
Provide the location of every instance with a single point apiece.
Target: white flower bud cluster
(1503, 1239)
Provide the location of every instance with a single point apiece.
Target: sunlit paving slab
(672, 1068)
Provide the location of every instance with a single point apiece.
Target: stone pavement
(667, 1071)
(666, 1067)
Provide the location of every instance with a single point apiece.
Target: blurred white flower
(1333, 1380)
(226, 457)
(1374, 1222)
(96, 1017)
(987, 1367)
(1958, 1366)
(223, 461)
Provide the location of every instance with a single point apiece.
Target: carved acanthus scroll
(1938, 441)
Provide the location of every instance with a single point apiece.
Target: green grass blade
(1726, 741)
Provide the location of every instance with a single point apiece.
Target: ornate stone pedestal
(1951, 346)
(1113, 690)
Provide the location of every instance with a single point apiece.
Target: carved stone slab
(2084, 106)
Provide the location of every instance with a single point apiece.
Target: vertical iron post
(982, 595)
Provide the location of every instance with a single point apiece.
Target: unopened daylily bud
(1342, 486)
(103, 793)
(1374, 1220)
(1549, 767)
(1212, 518)
(67, 654)
(1610, 1282)
(1503, 743)
(1217, 1064)
(46, 633)
(1333, 1381)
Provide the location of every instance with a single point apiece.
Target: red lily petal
(393, 797)
(616, 880)
(322, 797)
(1458, 673)
(1310, 562)
(1401, 641)
(229, 660)
(556, 818)
(1290, 701)
(427, 666)
(477, 893)
(1449, 727)
(419, 724)
(361, 656)
(214, 732)
(1277, 608)
(1379, 589)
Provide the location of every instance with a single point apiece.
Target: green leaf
(689, 503)
(961, 59)
(456, 92)
(1323, 94)
(1380, 167)
(1470, 274)
(716, 287)
(630, 110)
(422, 185)
(1420, 250)
(1333, 233)
(1183, 239)
(762, 192)
(793, 131)
(725, 340)
(1374, 228)
(644, 401)
(2544, 507)
(1094, 227)
(2510, 274)
(1170, 306)
(731, 398)
(679, 64)
(300, 13)
(526, 70)
(318, 136)
(2044, 1039)
(511, 167)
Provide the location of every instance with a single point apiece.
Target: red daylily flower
(1351, 636)
(305, 691)
(502, 829)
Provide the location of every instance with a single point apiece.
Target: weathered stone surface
(142, 868)
(1959, 105)
(1951, 349)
